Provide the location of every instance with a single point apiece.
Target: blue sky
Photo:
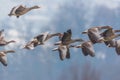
(58, 16)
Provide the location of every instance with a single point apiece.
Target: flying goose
(40, 39)
(87, 48)
(109, 35)
(94, 34)
(21, 10)
(3, 55)
(63, 44)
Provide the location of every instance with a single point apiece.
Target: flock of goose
(99, 34)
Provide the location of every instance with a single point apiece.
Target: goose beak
(81, 40)
(72, 45)
(9, 15)
(85, 32)
(58, 43)
(39, 7)
(55, 49)
(79, 46)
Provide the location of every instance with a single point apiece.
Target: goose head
(85, 32)
(58, 43)
(35, 7)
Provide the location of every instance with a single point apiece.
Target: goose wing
(67, 36)
(84, 51)
(20, 9)
(3, 42)
(12, 11)
(3, 61)
(111, 43)
(39, 37)
(108, 34)
(117, 48)
(68, 54)
(62, 52)
(87, 48)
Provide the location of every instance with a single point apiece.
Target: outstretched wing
(20, 9)
(12, 11)
(117, 48)
(67, 36)
(108, 34)
(87, 48)
(39, 37)
(62, 52)
(68, 54)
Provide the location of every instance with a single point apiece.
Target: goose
(87, 48)
(3, 55)
(21, 10)
(40, 39)
(63, 44)
(109, 35)
(94, 34)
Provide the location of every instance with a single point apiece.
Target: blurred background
(58, 16)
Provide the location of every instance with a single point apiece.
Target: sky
(58, 16)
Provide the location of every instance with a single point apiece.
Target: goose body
(3, 55)
(21, 10)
